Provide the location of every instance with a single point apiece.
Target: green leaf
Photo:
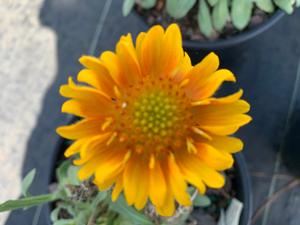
(220, 15)
(241, 11)
(213, 2)
(26, 202)
(179, 8)
(147, 4)
(54, 214)
(204, 19)
(202, 201)
(285, 5)
(27, 181)
(62, 171)
(66, 173)
(121, 207)
(64, 222)
(72, 177)
(101, 195)
(297, 3)
(82, 217)
(127, 7)
(265, 5)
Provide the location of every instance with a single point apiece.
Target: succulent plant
(214, 14)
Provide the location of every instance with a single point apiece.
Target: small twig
(290, 185)
(91, 219)
(277, 176)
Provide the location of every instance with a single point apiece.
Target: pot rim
(232, 40)
(236, 39)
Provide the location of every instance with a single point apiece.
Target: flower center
(155, 113)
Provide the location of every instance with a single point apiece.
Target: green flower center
(155, 113)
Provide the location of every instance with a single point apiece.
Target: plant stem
(292, 184)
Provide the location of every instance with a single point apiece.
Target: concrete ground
(40, 42)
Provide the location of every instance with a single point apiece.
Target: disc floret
(155, 113)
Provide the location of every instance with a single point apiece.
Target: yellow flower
(150, 124)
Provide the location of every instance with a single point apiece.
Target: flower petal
(80, 129)
(213, 158)
(98, 79)
(184, 67)
(222, 115)
(109, 167)
(117, 189)
(134, 181)
(188, 162)
(151, 51)
(177, 183)
(172, 53)
(112, 63)
(199, 74)
(89, 168)
(86, 101)
(142, 195)
(75, 147)
(157, 186)
(168, 208)
(222, 143)
(128, 60)
(92, 146)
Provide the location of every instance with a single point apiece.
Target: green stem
(27, 202)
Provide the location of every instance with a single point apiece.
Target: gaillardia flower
(150, 125)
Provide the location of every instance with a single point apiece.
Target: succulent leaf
(179, 8)
(213, 2)
(241, 11)
(204, 19)
(285, 5)
(265, 5)
(127, 7)
(220, 14)
(297, 3)
(147, 4)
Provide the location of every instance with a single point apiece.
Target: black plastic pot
(243, 184)
(234, 40)
(227, 49)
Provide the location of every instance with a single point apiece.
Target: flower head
(150, 125)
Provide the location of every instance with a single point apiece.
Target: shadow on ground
(74, 22)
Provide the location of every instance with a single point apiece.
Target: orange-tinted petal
(75, 147)
(131, 71)
(215, 159)
(172, 53)
(98, 79)
(112, 63)
(177, 183)
(168, 208)
(89, 168)
(199, 74)
(134, 178)
(223, 143)
(117, 189)
(211, 178)
(80, 129)
(150, 52)
(184, 67)
(157, 185)
(109, 167)
(222, 114)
